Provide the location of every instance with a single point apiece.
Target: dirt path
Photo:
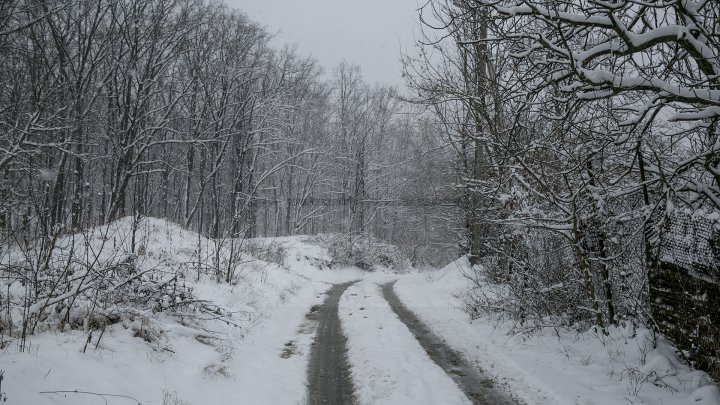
(329, 372)
(477, 386)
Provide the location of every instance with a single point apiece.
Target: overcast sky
(369, 33)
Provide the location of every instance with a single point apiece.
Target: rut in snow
(479, 387)
(329, 371)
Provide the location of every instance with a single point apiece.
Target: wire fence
(685, 284)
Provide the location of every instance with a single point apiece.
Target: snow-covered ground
(556, 368)
(260, 355)
(258, 358)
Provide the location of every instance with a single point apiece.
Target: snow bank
(253, 349)
(556, 367)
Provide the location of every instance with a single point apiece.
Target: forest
(570, 149)
(182, 110)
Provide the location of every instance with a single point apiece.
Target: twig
(102, 395)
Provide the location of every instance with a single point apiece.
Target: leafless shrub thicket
(364, 252)
(94, 279)
(575, 125)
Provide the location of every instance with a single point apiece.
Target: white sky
(369, 33)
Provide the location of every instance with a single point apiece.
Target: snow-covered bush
(533, 288)
(90, 280)
(266, 250)
(364, 252)
(172, 398)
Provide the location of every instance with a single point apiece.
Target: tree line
(182, 109)
(579, 128)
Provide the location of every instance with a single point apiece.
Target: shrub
(364, 252)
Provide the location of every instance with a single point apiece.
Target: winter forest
(170, 173)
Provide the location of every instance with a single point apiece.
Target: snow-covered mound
(132, 268)
(143, 310)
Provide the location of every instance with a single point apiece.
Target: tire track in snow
(329, 379)
(479, 388)
(388, 364)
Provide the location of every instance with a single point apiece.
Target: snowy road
(370, 349)
(388, 365)
(328, 372)
(477, 386)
